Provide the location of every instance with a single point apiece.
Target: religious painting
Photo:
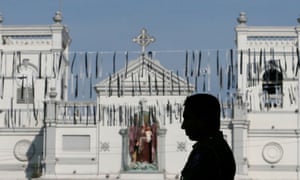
(143, 142)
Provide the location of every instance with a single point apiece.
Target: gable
(144, 76)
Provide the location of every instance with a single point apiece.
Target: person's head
(201, 115)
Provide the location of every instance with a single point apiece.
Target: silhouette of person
(211, 157)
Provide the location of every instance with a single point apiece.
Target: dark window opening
(272, 88)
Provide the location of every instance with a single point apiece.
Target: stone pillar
(161, 149)
(239, 139)
(298, 31)
(125, 141)
(50, 134)
(240, 126)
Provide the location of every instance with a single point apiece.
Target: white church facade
(132, 130)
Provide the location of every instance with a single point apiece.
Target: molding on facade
(279, 133)
(273, 167)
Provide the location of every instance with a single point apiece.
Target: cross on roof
(143, 39)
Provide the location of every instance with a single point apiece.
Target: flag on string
(22, 87)
(73, 62)
(241, 62)
(149, 82)
(60, 61)
(178, 81)
(122, 84)
(140, 86)
(221, 78)
(114, 63)
(222, 107)
(188, 84)
(231, 61)
(265, 61)
(163, 88)
(76, 86)
(172, 85)
(19, 58)
(249, 66)
(132, 84)
(272, 53)
(285, 63)
(20, 117)
(2, 87)
(13, 65)
(53, 66)
(126, 63)
(109, 86)
(45, 87)
(229, 77)
(11, 109)
(91, 87)
(155, 84)
(114, 115)
(298, 61)
(293, 61)
(254, 62)
(186, 63)
(62, 85)
(203, 86)
(196, 83)
(280, 66)
(97, 63)
(100, 65)
(118, 85)
(1, 62)
(74, 114)
(199, 63)
(40, 65)
(33, 100)
(87, 114)
(120, 112)
(86, 64)
(218, 65)
(192, 63)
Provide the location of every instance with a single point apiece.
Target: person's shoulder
(204, 147)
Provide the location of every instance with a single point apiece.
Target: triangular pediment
(144, 76)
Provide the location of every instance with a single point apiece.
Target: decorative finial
(242, 19)
(1, 18)
(58, 17)
(143, 39)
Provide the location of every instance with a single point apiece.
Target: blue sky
(180, 25)
(109, 25)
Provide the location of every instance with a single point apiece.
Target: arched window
(272, 87)
(25, 82)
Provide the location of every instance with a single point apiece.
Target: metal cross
(143, 39)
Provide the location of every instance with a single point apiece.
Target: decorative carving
(271, 40)
(24, 150)
(272, 152)
(181, 146)
(31, 40)
(104, 146)
(143, 39)
(242, 19)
